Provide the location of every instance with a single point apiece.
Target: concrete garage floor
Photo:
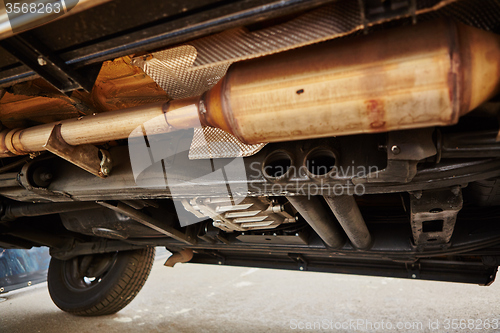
(202, 298)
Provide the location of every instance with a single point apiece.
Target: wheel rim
(85, 272)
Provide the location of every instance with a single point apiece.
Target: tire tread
(125, 288)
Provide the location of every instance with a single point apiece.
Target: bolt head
(456, 190)
(41, 61)
(301, 268)
(414, 276)
(395, 150)
(202, 108)
(417, 194)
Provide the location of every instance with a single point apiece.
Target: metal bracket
(395, 172)
(413, 270)
(404, 150)
(148, 221)
(84, 156)
(221, 259)
(47, 64)
(433, 216)
(299, 259)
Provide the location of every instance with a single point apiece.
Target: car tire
(99, 284)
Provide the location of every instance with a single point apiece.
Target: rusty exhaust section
(103, 127)
(413, 77)
(183, 256)
(420, 76)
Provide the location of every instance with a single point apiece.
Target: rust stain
(452, 86)
(33, 103)
(121, 85)
(375, 109)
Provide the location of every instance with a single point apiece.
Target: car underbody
(357, 137)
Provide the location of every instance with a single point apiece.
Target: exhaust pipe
(413, 77)
(103, 127)
(319, 219)
(347, 212)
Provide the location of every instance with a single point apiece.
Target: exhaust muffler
(413, 77)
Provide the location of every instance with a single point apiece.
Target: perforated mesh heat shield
(189, 70)
(209, 142)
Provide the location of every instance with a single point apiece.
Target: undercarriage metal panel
(437, 270)
(72, 183)
(128, 27)
(392, 242)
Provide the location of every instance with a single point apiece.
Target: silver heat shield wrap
(209, 142)
(191, 69)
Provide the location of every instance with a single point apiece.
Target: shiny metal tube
(29, 21)
(413, 77)
(347, 212)
(103, 127)
(319, 218)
